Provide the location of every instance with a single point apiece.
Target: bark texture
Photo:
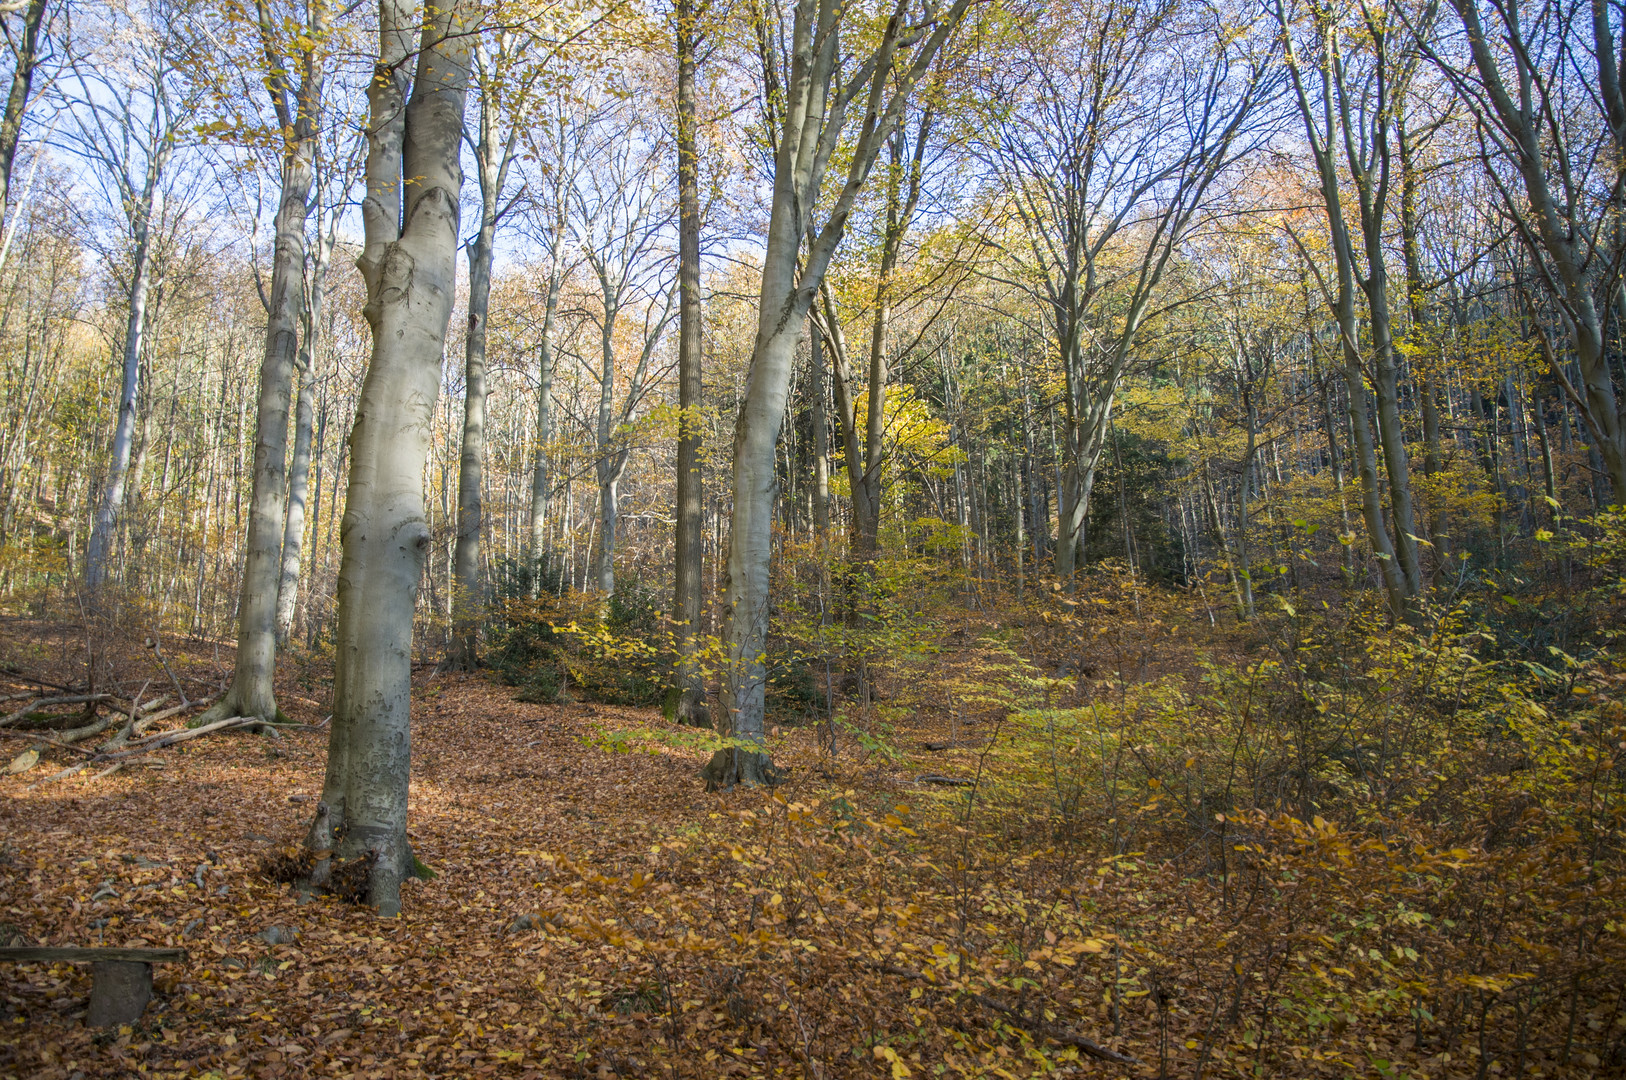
(409, 265)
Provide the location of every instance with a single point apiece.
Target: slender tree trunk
(25, 60)
(466, 603)
(821, 435)
(99, 550)
(299, 470)
(689, 531)
(253, 690)
(491, 155)
(540, 476)
(409, 265)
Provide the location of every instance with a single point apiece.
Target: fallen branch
(1053, 1032)
(80, 734)
(39, 703)
(170, 738)
(951, 781)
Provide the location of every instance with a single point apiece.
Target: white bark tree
(409, 263)
(813, 76)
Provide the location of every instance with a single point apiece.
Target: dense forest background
(1123, 498)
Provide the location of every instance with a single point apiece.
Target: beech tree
(1114, 126)
(409, 263)
(810, 81)
(287, 45)
(1566, 145)
(126, 119)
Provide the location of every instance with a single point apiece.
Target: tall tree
(409, 264)
(620, 223)
(287, 45)
(1359, 73)
(25, 47)
(126, 121)
(824, 70)
(689, 530)
(1116, 123)
(493, 149)
(1547, 87)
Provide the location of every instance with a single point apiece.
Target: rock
(278, 935)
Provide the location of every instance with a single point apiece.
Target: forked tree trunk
(814, 113)
(409, 266)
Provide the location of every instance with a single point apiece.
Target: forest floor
(594, 913)
(500, 791)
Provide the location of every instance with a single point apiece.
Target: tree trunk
(491, 158)
(410, 271)
(540, 478)
(821, 435)
(25, 59)
(466, 605)
(689, 530)
(809, 127)
(299, 470)
(99, 551)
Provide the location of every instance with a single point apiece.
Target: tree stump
(119, 992)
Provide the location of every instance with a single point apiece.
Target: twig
(1049, 1031)
(62, 775)
(158, 651)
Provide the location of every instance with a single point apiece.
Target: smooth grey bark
(299, 466)
(409, 265)
(807, 114)
(493, 153)
(689, 529)
(298, 110)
